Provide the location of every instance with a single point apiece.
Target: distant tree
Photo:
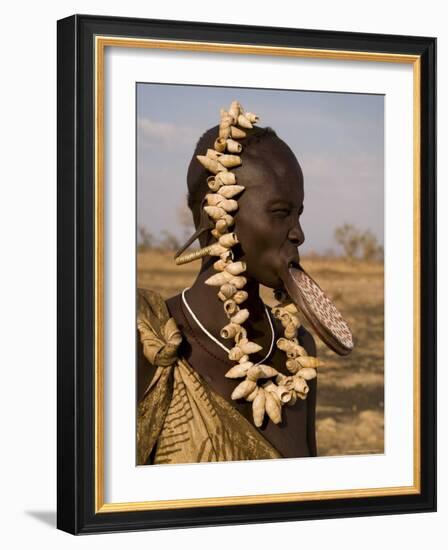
(146, 239)
(349, 237)
(169, 241)
(380, 253)
(357, 243)
(185, 218)
(369, 246)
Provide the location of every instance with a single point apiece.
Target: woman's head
(267, 221)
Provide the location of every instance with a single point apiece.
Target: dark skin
(267, 224)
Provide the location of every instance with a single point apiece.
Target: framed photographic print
(246, 274)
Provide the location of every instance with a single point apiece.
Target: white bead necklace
(220, 344)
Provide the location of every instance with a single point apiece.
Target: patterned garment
(180, 418)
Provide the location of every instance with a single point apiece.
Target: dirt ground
(350, 400)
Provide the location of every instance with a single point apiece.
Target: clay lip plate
(318, 309)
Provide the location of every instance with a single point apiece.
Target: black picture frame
(77, 511)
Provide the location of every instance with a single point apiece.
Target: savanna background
(338, 140)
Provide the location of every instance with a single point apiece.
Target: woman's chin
(271, 282)
(268, 278)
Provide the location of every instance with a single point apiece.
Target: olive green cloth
(180, 418)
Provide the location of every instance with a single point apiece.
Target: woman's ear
(202, 232)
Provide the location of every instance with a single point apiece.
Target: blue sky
(337, 138)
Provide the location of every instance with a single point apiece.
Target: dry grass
(350, 404)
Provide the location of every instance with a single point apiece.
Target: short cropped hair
(197, 174)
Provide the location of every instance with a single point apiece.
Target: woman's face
(267, 222)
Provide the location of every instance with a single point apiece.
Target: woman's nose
(296, 235)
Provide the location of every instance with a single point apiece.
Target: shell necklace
(267, 389)
(220, 344)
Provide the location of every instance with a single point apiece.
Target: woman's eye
(281, 212)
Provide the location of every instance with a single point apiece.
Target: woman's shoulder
(173, 304)
(154, 319)
(159, 333)
(151, 308)
(150, 298)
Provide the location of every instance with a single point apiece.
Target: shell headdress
(267, 389)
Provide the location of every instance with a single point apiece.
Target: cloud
(165, 135)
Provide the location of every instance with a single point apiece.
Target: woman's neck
(203, 300)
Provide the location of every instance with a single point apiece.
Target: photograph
(260, 273)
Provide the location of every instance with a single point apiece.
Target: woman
(199, 398)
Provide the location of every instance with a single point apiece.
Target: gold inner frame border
(100, 44)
